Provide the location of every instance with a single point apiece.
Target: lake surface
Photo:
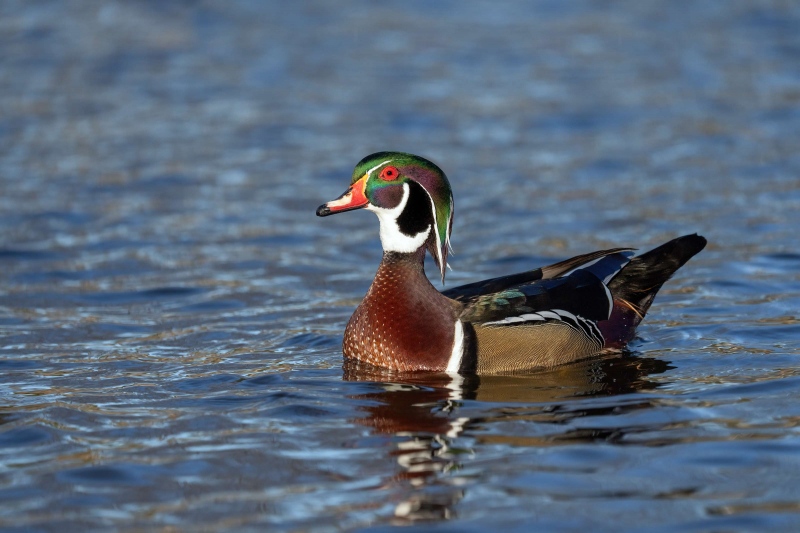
(171, 310)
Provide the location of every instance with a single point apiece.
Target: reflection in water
(171, 308)
(424, 414)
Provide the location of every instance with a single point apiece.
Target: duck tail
(635, 286)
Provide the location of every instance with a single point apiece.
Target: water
(171, 310)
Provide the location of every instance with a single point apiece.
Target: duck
(571, 310)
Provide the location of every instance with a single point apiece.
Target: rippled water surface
(171, 310)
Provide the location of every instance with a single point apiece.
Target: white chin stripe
(392, 239)
(454, 363)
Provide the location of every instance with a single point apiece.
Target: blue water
(171, 310)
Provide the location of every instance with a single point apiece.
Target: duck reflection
(425, 414)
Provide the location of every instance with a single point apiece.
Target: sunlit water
(171, 310)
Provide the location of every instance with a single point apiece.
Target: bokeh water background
(171, 310)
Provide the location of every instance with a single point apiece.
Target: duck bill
(353, 198)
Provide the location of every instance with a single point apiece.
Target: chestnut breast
(403, 323)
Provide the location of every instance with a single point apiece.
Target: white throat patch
(392, 239)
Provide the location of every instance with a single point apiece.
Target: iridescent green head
(411, 197)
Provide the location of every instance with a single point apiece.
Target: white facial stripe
(379, 165)
(392, 239)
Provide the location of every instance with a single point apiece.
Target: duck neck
(408, 268)
(403, 322)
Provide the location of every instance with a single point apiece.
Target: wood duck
(544, 317)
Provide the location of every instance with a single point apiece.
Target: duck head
(411, 197)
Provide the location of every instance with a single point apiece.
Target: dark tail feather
(635, 286)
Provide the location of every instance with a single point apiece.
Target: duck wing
(580, 292)
(544, 322)
(470, 292)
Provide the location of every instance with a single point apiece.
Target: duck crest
(556, 314)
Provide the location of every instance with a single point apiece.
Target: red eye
(389, 173)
